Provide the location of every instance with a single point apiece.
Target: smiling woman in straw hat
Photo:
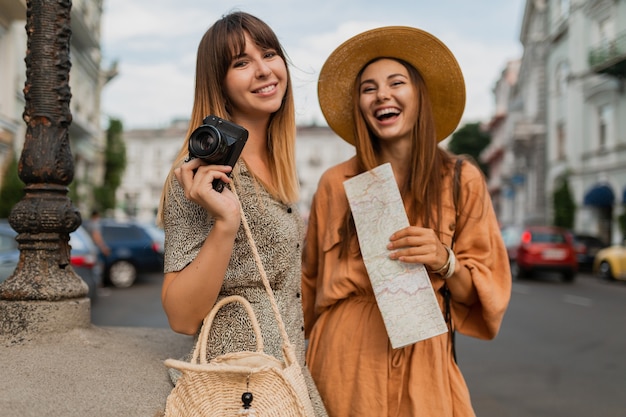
(395, 93)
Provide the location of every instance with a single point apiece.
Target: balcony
(610, 58)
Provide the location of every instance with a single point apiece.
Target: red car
(540, 248)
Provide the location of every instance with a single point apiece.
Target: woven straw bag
(246, 383)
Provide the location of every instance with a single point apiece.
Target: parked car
(540, 248)
(135, 247)
(83, 256)
(610, 262)
(85, 259)
(9, 253)
(586, 248)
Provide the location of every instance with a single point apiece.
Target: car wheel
(604, 271)
(122, 274)
(569, 276)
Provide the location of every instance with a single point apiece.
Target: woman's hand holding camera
(196, 178)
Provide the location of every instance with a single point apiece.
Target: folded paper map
(403, 291)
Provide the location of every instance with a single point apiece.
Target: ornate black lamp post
(45, 216)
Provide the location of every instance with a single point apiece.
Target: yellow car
(610, 263)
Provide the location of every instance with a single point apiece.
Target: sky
(154, 43)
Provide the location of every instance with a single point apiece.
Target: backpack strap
(456, 195)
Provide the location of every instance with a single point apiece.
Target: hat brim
(434, 61)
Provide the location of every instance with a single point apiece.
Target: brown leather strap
(456, 195)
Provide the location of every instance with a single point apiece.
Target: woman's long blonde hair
(224, 40)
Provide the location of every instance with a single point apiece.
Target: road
(136, 306)
(561, 351)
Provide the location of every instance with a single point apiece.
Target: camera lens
(207, 143)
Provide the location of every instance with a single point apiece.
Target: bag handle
(203, 339)
(288, 349)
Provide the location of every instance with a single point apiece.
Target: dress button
(297, 295)
(289, 210)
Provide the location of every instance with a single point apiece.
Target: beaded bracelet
(451, 264)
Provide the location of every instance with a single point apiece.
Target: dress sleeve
(183, 223)
(480, 249)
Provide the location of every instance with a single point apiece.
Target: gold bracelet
(445, 266)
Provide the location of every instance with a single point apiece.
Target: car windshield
(7, 243)
(120, 232)
(511, 236)
(156, 233)
(77, 243)
(546, 237)
(81, 241)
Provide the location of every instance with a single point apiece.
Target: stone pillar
(44, 293)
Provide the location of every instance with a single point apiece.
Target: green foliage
(564, 205)
(115, 164)
(73, 191)
(12, 189)
(470, 140)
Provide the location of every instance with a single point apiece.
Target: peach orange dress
(349, 354)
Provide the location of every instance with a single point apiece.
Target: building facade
(528, 109)
(87, 79)
(12, 71)
(586, 108)
(317, 149)
(151, 152)
(565, 117)
(499, 154)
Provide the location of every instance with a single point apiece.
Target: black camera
(218, 142)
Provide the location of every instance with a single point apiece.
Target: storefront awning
(600, 195)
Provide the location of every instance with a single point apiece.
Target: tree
(471, 140)
(564, 206)
(11, 190)
(114, 166)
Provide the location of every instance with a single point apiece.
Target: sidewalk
(90, 371)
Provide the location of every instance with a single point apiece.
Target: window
(562, 73)
(605, 31)
(605, 114)
(561, 9)
(560, 141)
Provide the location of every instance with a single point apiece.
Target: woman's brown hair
(223, 41)
(423, 188)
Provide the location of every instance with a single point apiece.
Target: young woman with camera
(241, 77)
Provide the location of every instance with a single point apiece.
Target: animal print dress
(278, 231)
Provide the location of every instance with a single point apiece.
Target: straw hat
(433, 60)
